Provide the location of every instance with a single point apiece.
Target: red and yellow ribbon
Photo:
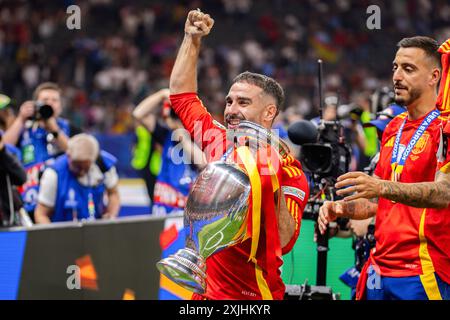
(443, 100)
(255, 181)
(264, 180)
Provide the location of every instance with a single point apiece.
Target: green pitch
(301, 263)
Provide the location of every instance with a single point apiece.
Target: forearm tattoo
(434, 194)
(361, 209)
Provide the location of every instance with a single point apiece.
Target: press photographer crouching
(40, 134)
(76, 186)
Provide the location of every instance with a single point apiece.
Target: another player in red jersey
(410, 193)
(252, 97)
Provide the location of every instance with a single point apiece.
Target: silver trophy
(216, 210)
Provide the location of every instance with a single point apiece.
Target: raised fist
(198, 24)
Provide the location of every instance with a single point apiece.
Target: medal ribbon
(397, 168)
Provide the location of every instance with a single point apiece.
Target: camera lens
(44, 111)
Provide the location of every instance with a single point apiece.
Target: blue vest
(34, 146)
(74, 199)
(35, 155)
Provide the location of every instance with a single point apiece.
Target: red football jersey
(412, 241)
(229, 273)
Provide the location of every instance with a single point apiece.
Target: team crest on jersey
(421, 144)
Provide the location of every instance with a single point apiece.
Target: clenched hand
(198, 24)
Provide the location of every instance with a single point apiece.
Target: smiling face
(249, 102)
(414, 74)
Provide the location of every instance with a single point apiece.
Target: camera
(349, 111)
(324, 156)
(309, 292)
(42, 111)
(362, 246)
(381, 99)
(330, 155)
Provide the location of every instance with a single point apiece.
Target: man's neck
(421, 107)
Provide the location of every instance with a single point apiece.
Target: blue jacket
(34, 146)
(35, 153)
(74, 199)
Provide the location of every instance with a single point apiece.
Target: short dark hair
(427, 44)
(45, 86)
(269, 86)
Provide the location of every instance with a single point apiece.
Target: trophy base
(186, 268)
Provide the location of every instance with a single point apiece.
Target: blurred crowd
(125, 50)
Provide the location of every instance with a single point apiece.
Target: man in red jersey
(410, 190)
(252, 97)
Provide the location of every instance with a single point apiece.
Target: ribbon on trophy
(264, 181)
(443, 100)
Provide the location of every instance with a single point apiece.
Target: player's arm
(421, 195)
(184, 72)
(286, 223)
(435, 194)
(295, 193)
(183, 83)
(358, 209)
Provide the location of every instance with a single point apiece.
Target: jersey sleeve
(198, 122)
(296, 193)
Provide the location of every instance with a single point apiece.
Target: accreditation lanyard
(91, 205)
(397, 168)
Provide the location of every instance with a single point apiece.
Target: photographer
(354, 116)
(77, 184)
(175, 179)
(40, 135)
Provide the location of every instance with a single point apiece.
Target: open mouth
(233, 124)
